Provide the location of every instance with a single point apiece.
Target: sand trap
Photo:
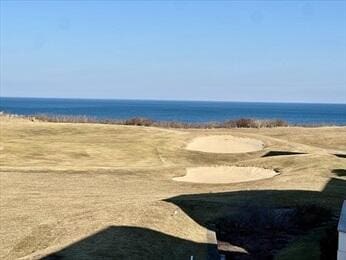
(225, 174)
(224, 144)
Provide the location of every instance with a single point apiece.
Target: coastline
(147, 122)
(181, 112)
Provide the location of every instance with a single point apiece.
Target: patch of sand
(225, 174)
(224, 144)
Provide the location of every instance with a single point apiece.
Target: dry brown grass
(63, 182)
(142, 121)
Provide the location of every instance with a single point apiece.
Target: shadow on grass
(252, 225)
(339, 172)
(262, 223)
(125, 242)
(280, 153)
(340, 155)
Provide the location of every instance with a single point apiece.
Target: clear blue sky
(226, 50)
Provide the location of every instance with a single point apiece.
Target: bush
(139, 121)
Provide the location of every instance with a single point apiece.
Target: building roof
(342, 220)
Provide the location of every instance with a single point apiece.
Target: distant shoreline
(182, 112)
(147, 122)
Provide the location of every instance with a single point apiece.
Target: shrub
(139, 121)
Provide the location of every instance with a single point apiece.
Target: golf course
(103, 191)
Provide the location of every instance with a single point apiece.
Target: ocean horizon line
(174, 100)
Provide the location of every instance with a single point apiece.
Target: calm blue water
(186, 111)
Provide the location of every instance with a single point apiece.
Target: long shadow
(125, 242)
(340, 155)
(260, 233)
(340, 172)
(261, 223)
(280, 153)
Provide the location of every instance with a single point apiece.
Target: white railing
(342, 234)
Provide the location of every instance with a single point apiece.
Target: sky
(273, 51)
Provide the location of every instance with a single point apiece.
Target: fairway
(95, 191)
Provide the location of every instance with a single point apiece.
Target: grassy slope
(64, 182)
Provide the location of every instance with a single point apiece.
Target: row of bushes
(140, 121)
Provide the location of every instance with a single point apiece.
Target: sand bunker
(225, 174)
(224, 144)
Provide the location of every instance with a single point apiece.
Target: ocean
(184, 111)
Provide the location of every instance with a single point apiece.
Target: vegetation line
(142, 121)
